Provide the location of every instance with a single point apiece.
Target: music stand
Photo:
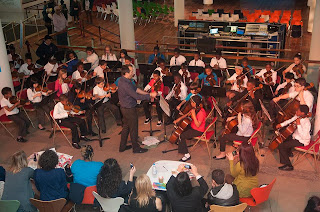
(175, 69)
(150, 122)
(114, 65)
(196, 69)
(95, 107)
(87, 66)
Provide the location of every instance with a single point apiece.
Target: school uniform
(173, 101)
(77, 76)
(37, 103)
(235, 86)
(146, 104)
(93, 59)
(198, 63)
(177, 61)
(99, 71)
(109, 57)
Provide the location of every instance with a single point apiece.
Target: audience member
(18, 185)
(60, 25)
(46, 50)
(49, 180)
(85, 171)
(313, 204)
(2, 174)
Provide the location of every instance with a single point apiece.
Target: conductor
(128, 96)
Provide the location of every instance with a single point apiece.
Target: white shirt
(51, 69)
(308, 98)
(197, 63)
(302, 133)
(24, 69)
(234, 86)
(100, 92)
(65, 88)
(31, 93)
(222, 63)
(76, 76)
(99, 71)
(109, 57)
(245, 128)
(177, 61)
(161, 74)
(183, 94)
(5, 102)
(59, 112)
(16, 65)
(263, 71)
(283, 85)
(59, 22)
(93, 59)
(188, 75)
(122, 60)
(294, 73)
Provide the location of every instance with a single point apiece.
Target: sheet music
(165, 106)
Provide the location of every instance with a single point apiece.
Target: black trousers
(72, 123)
(206, 91)
(62, 39)
(274, 107)
(189, 133)
(173, 103)
(22, 121)
(147, 112)
(230, 137)
(89, 116)
(130, 125)
(115, 111)
(268, 91)
(285, 149)
(41, 109)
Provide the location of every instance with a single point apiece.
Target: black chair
(296, 31)
(220, 11)
(239, 13)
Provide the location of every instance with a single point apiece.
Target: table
(164, 169)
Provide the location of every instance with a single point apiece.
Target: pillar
(311, 5)
(5, 73)
(178, 11)
(317, 116)
(126, 24)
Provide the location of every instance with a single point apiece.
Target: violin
(83, 94)
(298, 69)
(286, 89)
(157, 85)
(177, 91)
(33, 68)
(185, 77)
(14, 99)
(166, 72)
(71, 107)
(211, 80)
(106, 70)
(268, 77)
(68, 80)
(41, 89)
(240, 80)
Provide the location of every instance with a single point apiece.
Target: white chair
(235, 17)
(116, 14)
(109, 204)
(265, 17)
(205, 16)
(200, 11)
(215, 16)
(113, 6)
(225, 17)
(99, 10)
(107, 11)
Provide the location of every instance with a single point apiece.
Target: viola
(211, 80)
(71, 107)
(177, 91)
(298, 69)
(240, 80)
(268, 77)
(83, 94)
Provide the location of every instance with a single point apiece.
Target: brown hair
(61, 72)
(248, 159)
(249, 110)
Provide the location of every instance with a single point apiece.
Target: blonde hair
(18, 162)
(144, 190)
(61, 72)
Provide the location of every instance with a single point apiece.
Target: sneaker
(22, 140)
(159, 123)
(76, 146)
(84, 138)
(147, 121)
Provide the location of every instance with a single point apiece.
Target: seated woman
(182, 195)
(49, 180)
(245, 171)
(110, 183)
(85, 171)
(18, 185)
(144, 199)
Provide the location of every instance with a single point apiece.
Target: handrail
(104, 29)
(12, 22)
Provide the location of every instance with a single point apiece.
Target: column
(178, 11)
(126, 24)
(311, 5)
(5, 73)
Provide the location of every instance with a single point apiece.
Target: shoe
(43, 128)
(76, 146)
(291, 155)
(127, 148)
(286, 168)
(84, 138)
(159, 123)
(215, 157)
(147, 121)
(22, 140)
(93, 133)
(184, 160)
(141, 150)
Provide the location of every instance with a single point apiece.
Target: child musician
(196, 128)
(268, 87)
(24, 68)
(247, 69)
(100, 94)
(60, 85)
(123, 55)
(218, 62)
(72, 57)
(300, 137)
(108, 55)
(13, 113)
(238, 81)
(155, 84)
(35, 97)
(162, 68)
(194, 90)
(247, 121)
(297, 61)
(92, 58)
(77, 74)
(287, 86)
(63, 118)
(177, 59)
(84, 104)
(197, 61)
(51, 69)
(206, 85)
(99, 70)
(186, 76)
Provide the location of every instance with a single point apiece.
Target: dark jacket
(44, 52)
(257, 95)
(224, 195)
(190, 203)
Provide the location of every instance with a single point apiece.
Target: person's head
(62, 74)
(48, 39)
(297, 58)
(144, 190)
(80, 66)
(6, 92)
(196, 101)
(127, 72)
(183, 67)
(182, 184)
(28, 61)
(63, 99)
(176, 52)
(99, 81)
(34, 82)
(123, 53)
(12, 49)
(218, 54)
(71, 55)
(18, 162)
(194, 88)
(48, 160)
(87, 152)
(248, 108)
(162, 63)
(239, 70)
(156, 50)
(268, 66)
(313, 204)
(208, 70)
(248, 159)
(76, 88)
(217, 177)
(245, 61)
(300, 84)
(52, 61)
(103, 64)
(177, 78)
(289, 77)
(57, 10)
(108, 49)
(303, 110)
(156, 75)
(89, 50)
(109, 178)
(127, 60)
(196, 56)
(251, 84)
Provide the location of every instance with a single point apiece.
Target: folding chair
(5, 120)
(99, 10)
(312, 148)
(23, 95)
(206, 136)
(107, 12)
(61, 128)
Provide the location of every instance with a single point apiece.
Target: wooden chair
(9, 205)
(55, 125)
(237, 208)
(49, 206)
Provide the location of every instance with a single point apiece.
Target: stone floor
(290, 193)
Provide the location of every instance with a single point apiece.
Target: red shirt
(151, 83)
(201, 116)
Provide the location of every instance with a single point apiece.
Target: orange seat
(103, 6)
(266, 12)
(192, 18)
(286, 13)
(259, 195)
(277, 12)
(245, 12)
(88, 197)
(297, 23)
(251, 19)
(260, 20)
